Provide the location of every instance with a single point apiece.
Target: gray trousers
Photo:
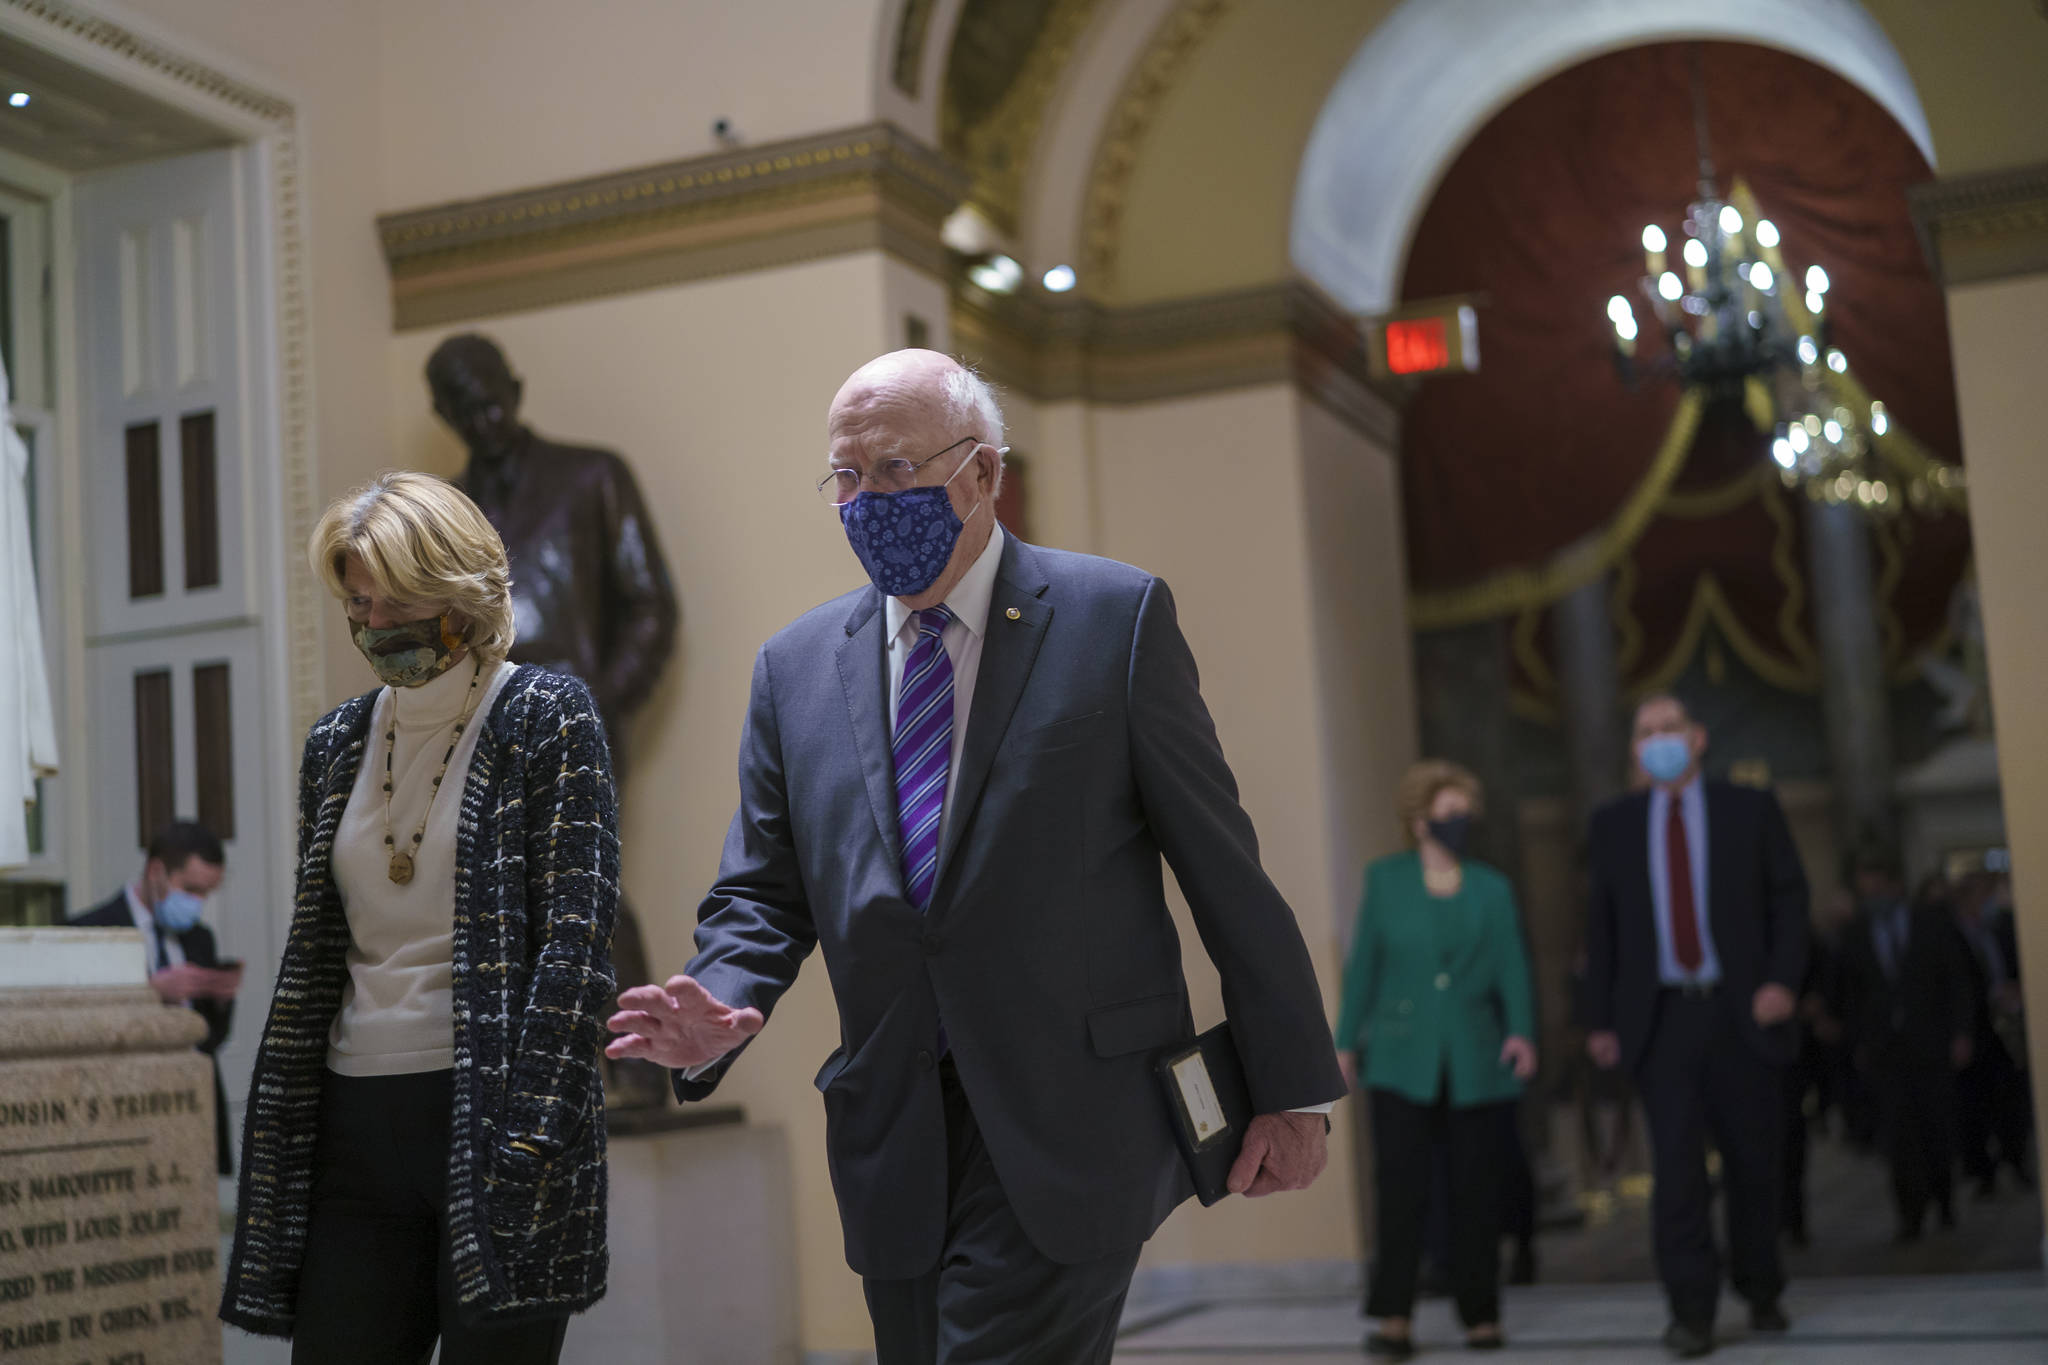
(993, 1298)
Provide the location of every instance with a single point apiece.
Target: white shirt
(1693, 815)
(969, 602)
(162, 953)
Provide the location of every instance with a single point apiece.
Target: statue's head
(476, 394)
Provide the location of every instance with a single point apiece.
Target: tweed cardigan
(536, 892)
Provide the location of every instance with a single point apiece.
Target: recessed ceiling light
(19, 99)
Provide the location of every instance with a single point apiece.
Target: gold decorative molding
(1992, 226)
(907, 69)
(279, 143)
(871, 187)
(1179, 36)
(1060, 347)
(997, 150)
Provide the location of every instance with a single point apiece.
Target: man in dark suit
(1695, 944)
(1995, 1110)
(959, 783)
(1911, 1016)
(183, 865)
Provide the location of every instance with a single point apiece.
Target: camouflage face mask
(409, 654)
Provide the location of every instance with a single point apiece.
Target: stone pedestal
(703, 1252)
(109, 1209)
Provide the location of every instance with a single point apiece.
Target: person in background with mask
(182, 866)
(957, 783)
(1436, 1020)
(1696, 944)
(424, 1154)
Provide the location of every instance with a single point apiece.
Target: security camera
(722, 129)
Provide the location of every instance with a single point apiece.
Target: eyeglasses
(842, 486)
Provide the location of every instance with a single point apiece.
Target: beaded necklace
(402, 859)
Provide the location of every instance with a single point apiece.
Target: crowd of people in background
(1914, 1045)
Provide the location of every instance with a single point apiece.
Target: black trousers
(1994, 1111)
(993, 1296)
(1405, 1136)
(377, 1287)
(1792, 1198)
(1699, 1076)
(1917, 1104)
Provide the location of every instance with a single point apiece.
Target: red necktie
(1685, 923)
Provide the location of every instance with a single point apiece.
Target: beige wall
(1999, 335)
(478, 99)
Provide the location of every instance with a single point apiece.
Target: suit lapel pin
(1013, 613)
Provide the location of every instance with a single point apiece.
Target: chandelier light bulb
(1811, 422)
(1837, 362)
(1653, 238)
(1833, 431)
(1760, 277)
(1781, 451)
(1880, 420)
(1696, 253)
(1668, 285)
(1059, 279)
(1879, 493)
(1617, 308)
(1798, 440)
(1731, 220)
(1816, 279)
(1815, 301)
(998, 274)
(1808, 352)
(1766, 233)
(1625, 328)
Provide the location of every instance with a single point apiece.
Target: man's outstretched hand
(1281, 1152)
(679, 1025)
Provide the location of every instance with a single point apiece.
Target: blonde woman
(424, 1151)
(1436, 1022)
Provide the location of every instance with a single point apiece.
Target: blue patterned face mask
(905, 540)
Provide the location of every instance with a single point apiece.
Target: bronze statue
(590, 591)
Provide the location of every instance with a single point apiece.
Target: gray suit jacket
(1048, 949)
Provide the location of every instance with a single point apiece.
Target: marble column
(1589, 695)
(1461, 690)
(1854, 695)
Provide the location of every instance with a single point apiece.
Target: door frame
(282, 498)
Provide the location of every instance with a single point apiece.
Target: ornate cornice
(1984, 227)
(872, 187)
(1179, 36)
(1054, 348)
(151, 55)
(907, 67)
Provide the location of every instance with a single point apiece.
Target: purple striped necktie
(923, 750)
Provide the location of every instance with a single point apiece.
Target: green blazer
(1436, 986)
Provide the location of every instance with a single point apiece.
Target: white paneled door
(175, 658)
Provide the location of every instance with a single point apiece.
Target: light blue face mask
(178, 910)
(1665, 757)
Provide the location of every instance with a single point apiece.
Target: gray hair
(971, 400)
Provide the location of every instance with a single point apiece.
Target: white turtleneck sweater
(396, 1016)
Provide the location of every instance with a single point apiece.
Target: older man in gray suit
(959, 782)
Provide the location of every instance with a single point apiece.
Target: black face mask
(1455, 834)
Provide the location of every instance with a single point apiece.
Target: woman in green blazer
(1437, 1020)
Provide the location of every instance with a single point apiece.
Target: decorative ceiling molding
(1177, 39)
(1055, 348)
(997, 148)
(1976, 228)
(871, 187)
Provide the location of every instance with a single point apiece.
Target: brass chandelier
(1742, 325)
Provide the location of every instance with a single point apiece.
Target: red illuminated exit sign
(1444, 340)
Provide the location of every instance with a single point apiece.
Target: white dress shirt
(1693, 814)
(162, 952)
